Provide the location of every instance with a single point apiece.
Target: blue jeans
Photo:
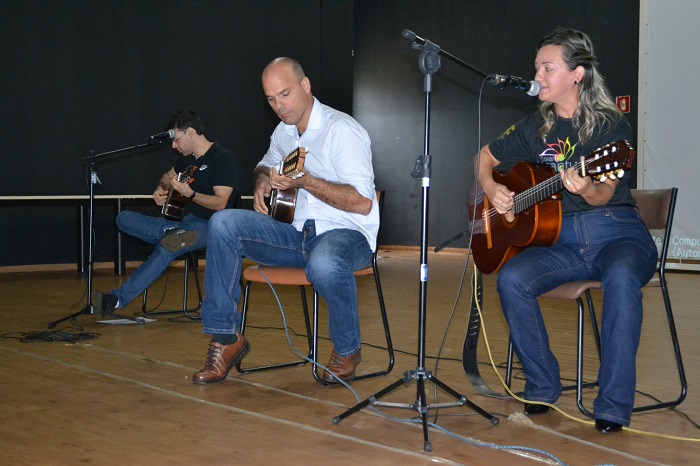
(151, 230)
(607, 244)
(329, 260)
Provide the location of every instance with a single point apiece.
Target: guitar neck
(542, 191)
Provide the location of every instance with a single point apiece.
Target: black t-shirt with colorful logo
(521, 142)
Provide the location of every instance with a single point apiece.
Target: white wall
(669, 99)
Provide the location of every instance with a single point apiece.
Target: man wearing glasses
(204, 181)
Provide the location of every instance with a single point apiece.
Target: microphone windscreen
(534, 88)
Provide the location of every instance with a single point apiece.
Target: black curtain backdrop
(81, 76)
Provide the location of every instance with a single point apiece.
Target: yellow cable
(574, 418)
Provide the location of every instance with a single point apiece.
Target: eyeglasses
(178, 137)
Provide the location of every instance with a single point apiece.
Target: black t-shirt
(521, 142)
(217, 167)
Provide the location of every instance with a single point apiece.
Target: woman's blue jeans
(329, 260)
(151, 230)
(607, 244)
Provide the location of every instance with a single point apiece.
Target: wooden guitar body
(538, 225)
(535, 219)
(174, 207)
(283, 202)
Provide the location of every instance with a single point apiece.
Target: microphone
(531, 87)
(410, 35)
(419, 42)
(169, 134)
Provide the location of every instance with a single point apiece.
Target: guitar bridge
(487, 223)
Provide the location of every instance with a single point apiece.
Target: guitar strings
(534, 194)
(539, 192)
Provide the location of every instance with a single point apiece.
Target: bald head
(288, 91)
(285, 62)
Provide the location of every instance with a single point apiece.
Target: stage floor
(126, 397)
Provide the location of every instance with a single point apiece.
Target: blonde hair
(595, 105)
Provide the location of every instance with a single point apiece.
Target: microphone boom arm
(420, 43)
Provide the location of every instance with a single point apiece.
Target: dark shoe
(532, 409)
(220, 360)
(105, 303)
(177, 238)
(342, 366)
(607, 427)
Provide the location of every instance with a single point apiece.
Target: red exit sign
(623, 103)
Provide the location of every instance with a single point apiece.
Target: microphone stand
(91, 161)
(429, 63)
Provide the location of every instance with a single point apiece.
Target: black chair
(191, 265)
(657, 208)
(295, 276)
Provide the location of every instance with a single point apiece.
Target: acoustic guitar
(174, 207)
(283, 202)
(537, 205)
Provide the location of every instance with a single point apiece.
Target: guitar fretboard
(590, 166)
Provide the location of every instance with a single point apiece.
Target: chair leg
(385, 322)
(677, 354)
(312, 334)
(387, 333)
(579, 385)
(509, 364)
(299, 362)
(579, 362)
(190, 313)
(676, 350)
(314, 366)
(594, 321)
(307, 323)
(185, 310)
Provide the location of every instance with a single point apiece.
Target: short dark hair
(186, 119)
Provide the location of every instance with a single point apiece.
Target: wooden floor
(126, 397)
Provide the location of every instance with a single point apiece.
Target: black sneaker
(105, 303)
(177, 238)
(532, 409)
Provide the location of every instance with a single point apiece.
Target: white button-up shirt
(338, 151)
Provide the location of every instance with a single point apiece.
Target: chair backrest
(234, 200)
(380, 200)
(657, 207)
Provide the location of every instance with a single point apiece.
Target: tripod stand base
(420, 375)
(90, 310)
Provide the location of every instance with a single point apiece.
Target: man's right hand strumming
(262, 191)
(160, 195)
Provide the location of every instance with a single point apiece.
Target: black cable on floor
(45, 336)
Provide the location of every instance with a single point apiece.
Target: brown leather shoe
(342, 366)
(220, 360)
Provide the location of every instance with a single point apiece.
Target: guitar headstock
(188, 175)
(609, 161)
(293, 163)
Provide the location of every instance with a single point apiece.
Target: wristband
(194, 193)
